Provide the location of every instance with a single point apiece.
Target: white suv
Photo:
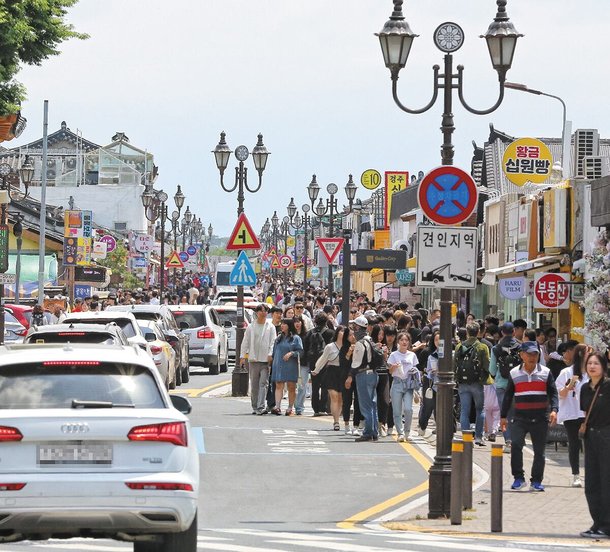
(208, 341)
(93, 446)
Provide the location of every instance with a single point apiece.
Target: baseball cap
(508, 328)
(361, 321)
(370, 312)
(529, 347)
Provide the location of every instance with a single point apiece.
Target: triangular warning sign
(243, 237)
(330, 247)
(275, 262)
(173, 261)
(271, 253)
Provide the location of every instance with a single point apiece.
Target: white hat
(370, 312)
(361, 321)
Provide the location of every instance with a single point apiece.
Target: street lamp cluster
(190, 227)
(396, 39)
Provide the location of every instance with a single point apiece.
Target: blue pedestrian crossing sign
(243, 272)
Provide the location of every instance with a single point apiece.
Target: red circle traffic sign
(285, 261)
(551, 290)
(447, 195)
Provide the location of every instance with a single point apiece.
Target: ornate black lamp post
(350, 193)
(297, 222)
(321, 210)
(222, 152)
(396, 39)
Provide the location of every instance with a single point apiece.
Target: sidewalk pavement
(559, 512)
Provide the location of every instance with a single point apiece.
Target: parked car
(104, 334)
(124, 320)
(227, 315)
(14, 332)
(170, 330)
(23, 313)
(208, 342)
(93, 446)
(163, 353)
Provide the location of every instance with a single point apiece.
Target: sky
(309, 75)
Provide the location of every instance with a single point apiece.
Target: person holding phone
(569, 382)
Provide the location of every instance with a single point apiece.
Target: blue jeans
(472, 392)
(500, 394)
(302, 389)
(402, 402)
(366, 383)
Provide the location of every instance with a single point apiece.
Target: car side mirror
(228, 324)
(149, 336)
(181, 404)
(184, 325)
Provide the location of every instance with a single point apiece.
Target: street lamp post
(396, 39)
(350, 193)
(298, 222)
(222, 152)
(564, 126)
(18, 233)
(284, 229)
(187, 229)
(330, 208)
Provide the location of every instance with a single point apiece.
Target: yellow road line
(195, 393)
(423, 461)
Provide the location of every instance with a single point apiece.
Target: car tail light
(206, 333)
(11, 486)
(71, 363)
(71, 333)
(158, 486)
(10, 434)
(155, 349)
(173, 432)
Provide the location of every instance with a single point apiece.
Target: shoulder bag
(582, 430)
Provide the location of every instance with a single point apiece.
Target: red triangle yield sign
(330, 247)
(243, 237)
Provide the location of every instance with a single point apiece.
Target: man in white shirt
(193, 295)
(257, 346)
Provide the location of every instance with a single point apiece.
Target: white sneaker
(356, 432)
(576, 481)
(383, 432)
(421, 432)
(401, 438)
(348, 430)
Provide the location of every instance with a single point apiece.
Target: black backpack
(507, 359)
(377, 361)
(467, 367)
(316, 347)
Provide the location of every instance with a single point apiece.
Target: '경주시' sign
(512, 288)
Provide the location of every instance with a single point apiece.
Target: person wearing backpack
(365, 359)
(504, 357)
(315, 341)
(471, 372)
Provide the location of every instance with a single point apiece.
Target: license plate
(74, 454)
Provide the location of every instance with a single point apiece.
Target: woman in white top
(406, 380)
(332, 377)
(568, 383)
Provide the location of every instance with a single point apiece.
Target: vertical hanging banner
(395, 181)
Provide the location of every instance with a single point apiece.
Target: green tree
(116, 261)
(30, 32)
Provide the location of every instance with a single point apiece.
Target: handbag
(582, 430)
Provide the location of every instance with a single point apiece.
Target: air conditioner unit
(595, 167)
(586, 144)
(401, 244)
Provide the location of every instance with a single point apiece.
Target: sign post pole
(347, 277)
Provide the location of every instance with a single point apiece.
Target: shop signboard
(512, 288)
(527, 160)
(550, 291)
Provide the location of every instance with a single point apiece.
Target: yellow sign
(275, 263)
(527, 160)
(370, 179)
(173, 261)
(395, 181)
(290, 241)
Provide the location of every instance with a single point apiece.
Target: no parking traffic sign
(447, 195)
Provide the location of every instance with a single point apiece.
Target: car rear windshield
(73, 337)
(142, 315)
(124, 323)
(195, 319)
(227, 315)
(55, 384)
(222, 278)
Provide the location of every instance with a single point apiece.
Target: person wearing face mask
(595, 401)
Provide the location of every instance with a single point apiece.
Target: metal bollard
(468, 437)
(455, 503)
(496, 487)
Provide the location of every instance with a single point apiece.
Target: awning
(491, 273)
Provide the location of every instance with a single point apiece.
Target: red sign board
(447, 195)
(243, 237)
(330, 247)
(551, 290)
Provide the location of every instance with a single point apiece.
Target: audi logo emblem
(75, 428)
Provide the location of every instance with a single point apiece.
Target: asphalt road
(272, 483)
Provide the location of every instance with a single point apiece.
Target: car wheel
(186, 541)
(215, 368)
(186, 375)
(143, 546)
(178, 377)
(224, 367)
(173, 382)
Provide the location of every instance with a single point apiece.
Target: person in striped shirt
(536, 403)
